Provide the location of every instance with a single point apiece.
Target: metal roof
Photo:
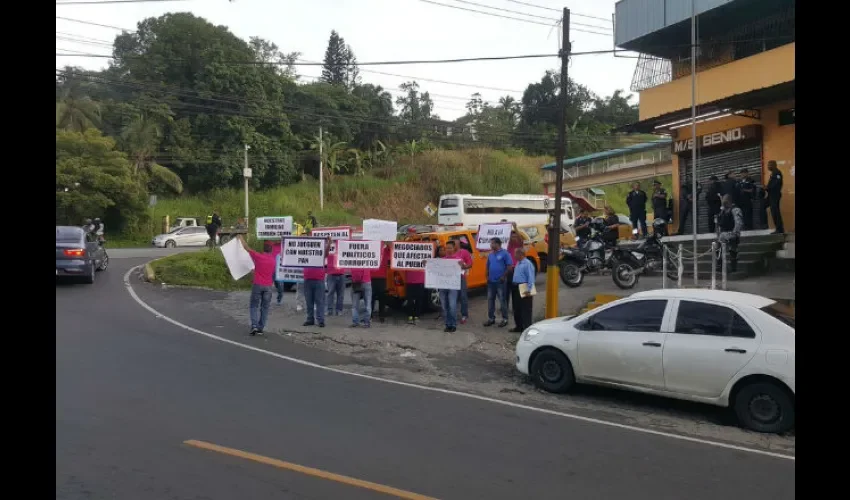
(636, 148)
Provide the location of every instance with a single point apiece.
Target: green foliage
(615, 194)
(205, 268)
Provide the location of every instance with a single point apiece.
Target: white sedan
(710, 346)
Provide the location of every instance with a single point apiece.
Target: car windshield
(68, 234)
(781, 312)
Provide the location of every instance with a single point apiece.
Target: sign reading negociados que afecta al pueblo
(410, 254)
(303, 252)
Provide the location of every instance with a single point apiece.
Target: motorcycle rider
(730, 222)
(612, 227)
(582, 225)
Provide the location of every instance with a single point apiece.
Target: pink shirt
(464, 256)
(512, 248)
(333, 270)
(415, 277)
(360, 275)
(381, 272)
(314, 273)
(264, 264)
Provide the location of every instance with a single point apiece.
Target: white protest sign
(410, 254)
(379, 230)
(272, 228)
(358, 254)
(442, 274)
(303, 251)
(239, 262)
(290, 274)
(334, 233)
(487, 232)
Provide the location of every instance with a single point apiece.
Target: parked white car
(191, 236)
(710, 346)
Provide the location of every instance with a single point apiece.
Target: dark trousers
(212, 235)
(684, 215)
(415, 299)
(639, 219)
(522, 308)
(379, 295)
(773, 204)
(713, 210)
(747, 211)
(509, 278)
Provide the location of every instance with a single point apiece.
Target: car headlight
(529, 333)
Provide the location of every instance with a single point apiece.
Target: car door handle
(652, 344)
(736, 350)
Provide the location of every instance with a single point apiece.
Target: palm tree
(331, 153)
(141, 138)
(75, 111)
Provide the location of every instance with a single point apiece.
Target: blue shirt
(497, 265)
(524, 273)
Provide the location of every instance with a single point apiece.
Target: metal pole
(321, 172)
(713, 265)
(694, 134)
(246, 184)
(560, 154)
(680, 267)
(664, 255)
(723, 266)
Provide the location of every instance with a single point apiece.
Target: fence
(681, 256)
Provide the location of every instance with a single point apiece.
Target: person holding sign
(314, 295)
(336, 282)
(379, 283)
(497, 268)
(263, 286)
(461, 254)
(415, 280)
(361, 289)
(514, 243)
(522, 290)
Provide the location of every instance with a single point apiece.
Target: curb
(150, 276)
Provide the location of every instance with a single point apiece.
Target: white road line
(448, 391)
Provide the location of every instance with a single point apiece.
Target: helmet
(597, 223)
(97, 219)
(658, 223)
(88, 221)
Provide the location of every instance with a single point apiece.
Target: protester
(458, 252)
(262, 287)
(361, 289)
(441, 254)
(336, 282)
(448, 301)
(497, 267)
(415, 280)
(314, 295)
(279, 285)
(379, 284)
(514, 242)
(523, 274)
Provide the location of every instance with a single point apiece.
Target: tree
(269, 53)
(415, 110)
(340, 64)
(95, 180)
(75, 109)
(141, 139)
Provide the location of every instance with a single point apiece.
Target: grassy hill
(615, 194)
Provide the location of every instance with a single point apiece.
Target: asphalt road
(132, 388)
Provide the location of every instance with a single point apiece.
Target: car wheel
(170, 244)
(552, 371)
(89, 279)
(764, 407)
(223, 239)
(104, 263)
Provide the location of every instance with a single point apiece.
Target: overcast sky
(381, 30)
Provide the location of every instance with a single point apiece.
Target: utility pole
(246, 173)
(694, 136)
(552, 285)
(321, 171)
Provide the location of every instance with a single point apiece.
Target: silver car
(182, 237)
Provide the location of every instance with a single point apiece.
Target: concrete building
(745, 91)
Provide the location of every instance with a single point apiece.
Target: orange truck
(465, 238)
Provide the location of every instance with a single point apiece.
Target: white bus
(523, 209)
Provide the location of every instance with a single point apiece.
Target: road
(131, 389)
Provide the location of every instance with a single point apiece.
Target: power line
(80, 21)
(98, 2)
(528, 15)
(558, 10)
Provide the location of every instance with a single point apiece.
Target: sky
(382, 30)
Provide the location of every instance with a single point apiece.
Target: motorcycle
(649, 255)
(593, 255)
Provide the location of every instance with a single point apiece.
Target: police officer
(730, 222)
(311, 221)
(213, 224)
(747, 193)
(712, 199)
(636, 201)
(774, 194)
(730, 186)
(659, 200)
(686, 201)
(612, 227)
(582, 225)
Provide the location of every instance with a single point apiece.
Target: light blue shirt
(524, 273)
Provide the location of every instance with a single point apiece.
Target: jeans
(464, 298)
(299, 295)
(494, 290)
(336, 286)
(279, 287)
(314, 295)
(365, 294)
(448, 299)
(261, 298)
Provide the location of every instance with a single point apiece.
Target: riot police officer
(747, 193)
(659, 200)
(686, 200)
(730, 222)
(774, 194)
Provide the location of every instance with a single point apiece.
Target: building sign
(738, 134)
(786, 117)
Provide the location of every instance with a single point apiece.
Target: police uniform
(747, 190)
(582, 220)
(659, 203)
(774, 194)
(712, 199)
(685, 205)
(730, 222)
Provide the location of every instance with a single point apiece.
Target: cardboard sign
(238, 261)
(410, 254)
(442, 274)
(379, 230)
(487, 232)
(290, 274)
(303, 251)
(334, 233)
(272, 228)
(358, 254)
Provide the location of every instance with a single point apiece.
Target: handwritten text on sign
(334, 233)
(356, 254)
(303, 252)
(379, 230)
(442, 274)
(410, 255)
(290, 274)
(487, 232)
(272, 228)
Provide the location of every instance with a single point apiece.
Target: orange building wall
(778, 143)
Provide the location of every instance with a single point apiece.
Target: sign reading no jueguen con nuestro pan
(738, 134)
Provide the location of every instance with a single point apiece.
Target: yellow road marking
(330, 476)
